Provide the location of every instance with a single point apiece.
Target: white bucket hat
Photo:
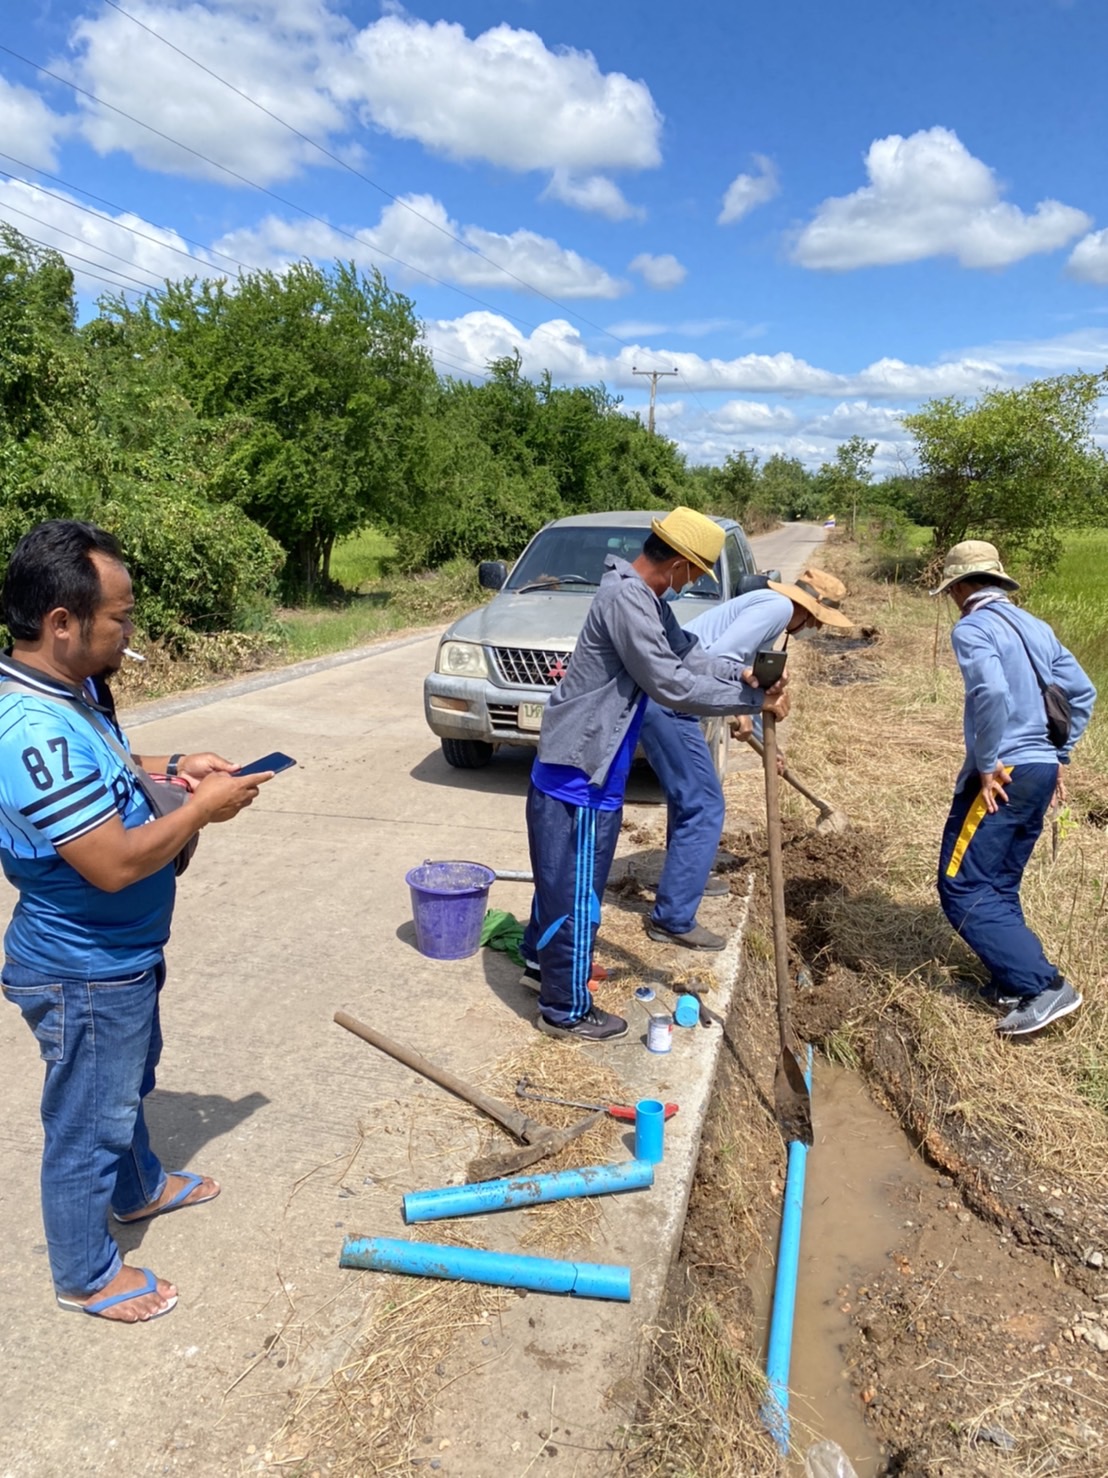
(973, 557)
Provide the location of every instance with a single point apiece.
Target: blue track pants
(674, 744)
(981, 866)
(571, 855)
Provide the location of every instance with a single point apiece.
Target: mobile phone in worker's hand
(769, 665)
(275, 762)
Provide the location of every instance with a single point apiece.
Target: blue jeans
(981, 865)
(101, 1041)
(675, 745)
(571, 856)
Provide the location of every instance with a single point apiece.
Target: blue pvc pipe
(775, 1407)
(531, 1190)
(476, 1265)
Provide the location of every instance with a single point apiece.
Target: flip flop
(96, 1309)
(175, 1203)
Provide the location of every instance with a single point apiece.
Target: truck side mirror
(747, 583)
(492, 574)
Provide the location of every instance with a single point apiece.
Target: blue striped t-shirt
(60, 779)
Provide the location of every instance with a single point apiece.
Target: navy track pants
(678, 752)
(981, 866)
(571, 855)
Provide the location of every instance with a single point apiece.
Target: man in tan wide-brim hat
(1017, 737)
(675, 745)
(631, 648)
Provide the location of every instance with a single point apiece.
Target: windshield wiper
(552, 582)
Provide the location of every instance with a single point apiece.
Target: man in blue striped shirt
(94, 867)
(1011, 773)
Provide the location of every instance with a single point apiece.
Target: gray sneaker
(1039, 1011)
(594, 1026)
(696, 938)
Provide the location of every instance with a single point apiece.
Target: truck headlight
(462, 659)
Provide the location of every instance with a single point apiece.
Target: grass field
(1074, 599)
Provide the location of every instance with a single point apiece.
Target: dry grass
(887, 752)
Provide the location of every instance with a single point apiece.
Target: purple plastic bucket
(449, 901)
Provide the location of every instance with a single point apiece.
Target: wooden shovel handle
(520, 1125)
(776, 875)
(788, 776)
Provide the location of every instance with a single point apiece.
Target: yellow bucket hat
(691, 535)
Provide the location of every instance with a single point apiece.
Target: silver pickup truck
(497, 665)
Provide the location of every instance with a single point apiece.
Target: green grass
(1074, 599)
(360, 560)
(380, 604)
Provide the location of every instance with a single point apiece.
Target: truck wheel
(718, 735)
(466, 754)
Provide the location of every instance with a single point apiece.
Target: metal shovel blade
(496, 1167)
(791, 1100)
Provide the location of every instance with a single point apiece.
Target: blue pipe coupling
(530, 1190)
(476, 1265)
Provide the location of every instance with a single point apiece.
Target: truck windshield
(573, 559)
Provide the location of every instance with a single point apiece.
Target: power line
(92, 245)
(373, 184)
(104, 266)
(58, 180)
(262, 189)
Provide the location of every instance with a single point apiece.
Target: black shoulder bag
(1059, 715)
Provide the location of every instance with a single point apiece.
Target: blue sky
(819, 214)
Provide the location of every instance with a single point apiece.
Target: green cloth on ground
(502, 930)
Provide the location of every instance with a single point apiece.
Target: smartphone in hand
(768, 665)
(275, 762)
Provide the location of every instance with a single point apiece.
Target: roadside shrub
(196, 567)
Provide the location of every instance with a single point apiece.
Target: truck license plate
(530, 716)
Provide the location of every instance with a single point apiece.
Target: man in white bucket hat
(1017, 738)
(678, 753)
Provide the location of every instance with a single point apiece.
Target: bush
(195, 567)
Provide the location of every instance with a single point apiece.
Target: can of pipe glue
(659, 1033)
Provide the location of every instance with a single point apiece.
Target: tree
(787, 488)
(1013, 468)
(844, 482)
(320, 378)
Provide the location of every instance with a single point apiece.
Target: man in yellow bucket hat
(631, 648)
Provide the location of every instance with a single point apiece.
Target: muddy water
(861, 1181)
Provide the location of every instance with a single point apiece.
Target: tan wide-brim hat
(817, 591)
(691, 535)
(973, 557)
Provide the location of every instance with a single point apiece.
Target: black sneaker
(1039, 1011)
(994, 995)
(594, 1026)
(695, 938)
(531, 979)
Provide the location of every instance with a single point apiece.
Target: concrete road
(296, 908)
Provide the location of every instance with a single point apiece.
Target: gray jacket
(631, 644)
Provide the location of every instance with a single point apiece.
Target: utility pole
(655, 376)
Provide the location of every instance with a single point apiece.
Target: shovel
(830, 821)
(790, 1092)
(539, 1140)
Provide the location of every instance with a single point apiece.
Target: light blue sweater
(1004, 719)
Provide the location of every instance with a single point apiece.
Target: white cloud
(688, 328)
(595, 193)
(502, 96)
(422, 238)
(1089, 259)
(558, 346)
(112, 247)
(663, 272)
(747, 191)
(1083, 349)
(282, 53)
(25, 119)
(929, 197)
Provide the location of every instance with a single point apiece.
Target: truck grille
(530, 667)
(504, 718)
